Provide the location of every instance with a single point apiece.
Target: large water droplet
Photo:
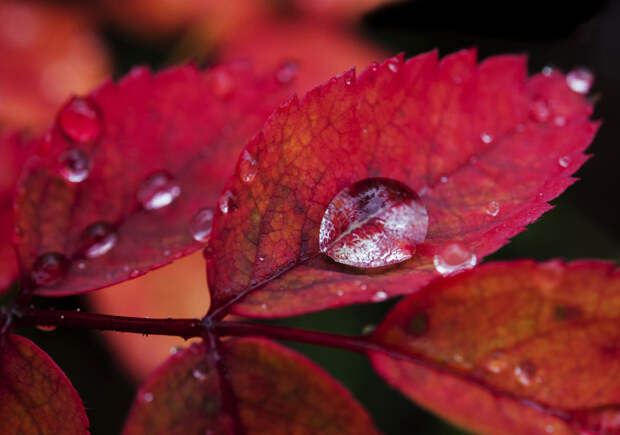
(580, 80)
(75, 165)
(201, 224)
(454, 258)
(49, 268)
(287, 72)
(97, 239)
(158, 191)
(247, 167)
(373, 223)
(226, 202)
(80, 120)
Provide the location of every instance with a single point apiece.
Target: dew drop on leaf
(201, 376)
(454, 258)
(247, 167)
(75, 165)
(368, 329)
(492, 208)
(287, 72)
(379, 296)
(525, 373)
(547, 70)
(373, 223)
(80, 120)
(97, 239)
(49, 268)
(539, 110)
(158, 191)
(564, 161)
(486, 138)
(580, 80)
(497, 363)
(200, 225)
(222, 83)
(147, 397)
(226, 202)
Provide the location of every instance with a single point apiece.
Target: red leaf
(39, 72)
(136, 146)
(276, 391)
(469, 139)
(36, 395)
(519, 348)
(14, 150)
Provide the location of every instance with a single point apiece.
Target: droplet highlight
(158, 191)
(97, 239)
(454, 258)
(201, 224)
(247, 167)
(287, 72)
(226, 202)
(492, 208)
(379, 296)
(539, 111)
(486, 138)
(580, 80)
(80, 120)
(49, 269)
(373, 223)
(564, 161)
(75, 165)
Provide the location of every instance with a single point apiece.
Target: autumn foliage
(394, 179)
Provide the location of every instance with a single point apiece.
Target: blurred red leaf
(276, 391)
(299, 46)
(118, 156)
(36, 395)
(48, 52)
(472, 140)
(14, 150)
(519, 348)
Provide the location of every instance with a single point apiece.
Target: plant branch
(186, 328)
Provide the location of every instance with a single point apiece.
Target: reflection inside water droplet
(379, 296)
(158, 191)
(199, 375)
(564, 161)
(97, 239)
(454, 258)
(49, 269)
(492, 208)
(373, 223)
(201, 224)
(580, 80)
(247, 167)
(227, 202)
(287, 72)
(79, 119)
(75, 165)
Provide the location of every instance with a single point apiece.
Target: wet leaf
(519, 348)
(39, 72)
(123, 171)
(468, 139)
(275, 390)
(36, 395)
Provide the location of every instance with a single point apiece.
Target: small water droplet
(287, 72)
(564, 161)
(158, 190)
(81, 265)
(261, 259)
(492, 208)
(134, 273)
(497, 363)
(486, 138)
(340, 293)
(549, 428)
(222, 82)
(49, 269)
(167, 252)
(79, 119)
(147, 397)
(547, 70)
(373, 223)
(227, 202)
(62, 317)
(580, 80)
(247, 167)
(199, 375)
(374, 67)
(368, 329)
(174, 350)
(46, 328)
(97, 239)
(78, 310)
(454, 258)
(539, 110)
(263, 306)
(200, 225)
(379, 296)
(444, 179)
(525, 373)
(75, 165)
(393, 66)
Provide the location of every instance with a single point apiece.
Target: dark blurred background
(583, 224)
